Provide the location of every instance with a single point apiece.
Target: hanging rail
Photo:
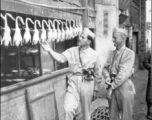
(48, 6)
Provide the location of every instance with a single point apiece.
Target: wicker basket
(101, 113)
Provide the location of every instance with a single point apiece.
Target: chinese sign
(105, 23)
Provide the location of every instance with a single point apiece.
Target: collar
(121, 49)
(84, 50)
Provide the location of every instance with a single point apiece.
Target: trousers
(122, 102)
(79, 92)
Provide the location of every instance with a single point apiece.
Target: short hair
(90, 38)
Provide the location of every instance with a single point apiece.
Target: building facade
(127, 14)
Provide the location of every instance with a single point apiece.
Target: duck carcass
(70, 30)
(43, 32)
(1, 28)
(7, 31)
(74, 29)
(67, 31)
(27, 35)
(80, 26)
(58, 32)
(1, 33)
(49, 31)
(17, 38)
(54, 34)
(62, 32)
(36, 38)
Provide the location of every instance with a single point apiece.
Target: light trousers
(122, 102)
(79, 92)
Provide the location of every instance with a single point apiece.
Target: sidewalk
(140, 81)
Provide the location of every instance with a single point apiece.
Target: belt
(78, 74)
(81, 74)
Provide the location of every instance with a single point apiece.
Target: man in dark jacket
(147, 65)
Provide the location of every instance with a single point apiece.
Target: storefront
(32, 83)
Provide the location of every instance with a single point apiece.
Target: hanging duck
(49, 31)
(27, 35)
(7, 31)
(1, 33)
(66, 30)
(80, 26)
(17, 38)
(77, 26)
(1, 28)
(43, 32)
(62, 32)
(36, 38)
(58, 32)
(54, 34)
(74, 29)
(70, 30)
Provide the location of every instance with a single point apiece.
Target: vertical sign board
(124, 4)
(105, 23)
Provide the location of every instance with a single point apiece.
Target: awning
(122, 18)
(124, 4)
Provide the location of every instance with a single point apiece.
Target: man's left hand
(109, 93)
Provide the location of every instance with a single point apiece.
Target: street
(140, 82)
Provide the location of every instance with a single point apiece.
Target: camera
(112, 76)
(88, 74)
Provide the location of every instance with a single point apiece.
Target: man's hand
(109, 93)
(108, 81)
(46, 46)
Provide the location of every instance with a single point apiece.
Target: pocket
(130, 86)
(73, 67)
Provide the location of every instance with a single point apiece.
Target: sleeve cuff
(113, 86)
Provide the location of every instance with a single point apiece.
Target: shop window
(28, 61)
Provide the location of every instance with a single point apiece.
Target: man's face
(83, 40)
(117, 40)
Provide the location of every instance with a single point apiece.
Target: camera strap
(80, 58)
(119, 59)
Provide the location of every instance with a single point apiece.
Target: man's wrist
(107, 77)
(50, 51)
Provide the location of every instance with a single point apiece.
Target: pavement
(140, 79)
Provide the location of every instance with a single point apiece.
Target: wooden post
(84, 3)
(40, 60)
(19, 61)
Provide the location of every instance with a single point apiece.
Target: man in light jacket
(117, 73)
(80, 87)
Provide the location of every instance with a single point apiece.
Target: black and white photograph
(75, 60)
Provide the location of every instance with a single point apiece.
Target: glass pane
(19, 64)
(60, 47)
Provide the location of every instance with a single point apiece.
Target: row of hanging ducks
(68, 31)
